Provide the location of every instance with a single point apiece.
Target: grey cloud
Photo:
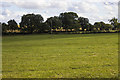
(5, 4)
(6, 12)
(27, 5)
(52, 8)
(110, 3)
(83, 7)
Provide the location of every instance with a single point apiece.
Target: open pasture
(60, 56)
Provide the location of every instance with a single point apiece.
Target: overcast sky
(95, 10)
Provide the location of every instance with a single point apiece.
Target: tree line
(68, 22)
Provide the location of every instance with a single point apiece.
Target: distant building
(119, 11)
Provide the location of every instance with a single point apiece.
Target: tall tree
(54, 22)
(76, 27)
(12, 24)
(0, 28)
(91, 27)
(68, 19)
(114, 22)
(97, 26)
(108, 27)
(4, 28)
(102, 26)
(44, 27)
(118, 26)
(84, 23)
(31, 22)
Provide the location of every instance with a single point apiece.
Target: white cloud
(5, 4)
(31, 4)
(86, 7)
(108, 7)
(102, 0)
(63, 0)
(7, 15)
(6, 12)
(48, 8)
(62, 5)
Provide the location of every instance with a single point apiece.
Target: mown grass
(60, 56)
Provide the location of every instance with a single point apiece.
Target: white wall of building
(119, 11)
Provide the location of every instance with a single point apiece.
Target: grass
(60, 56)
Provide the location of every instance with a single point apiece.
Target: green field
(60, 56)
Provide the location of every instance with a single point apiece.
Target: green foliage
(31, 22)
(97, 25)
(114, 22)
(12, 24)
(90, 27)
(68, 19)
(54, 22)
(108, 27)
(84, 22)
(102, 26)
(76, 26)
(44, 27)
(4, 28)
(118, 26)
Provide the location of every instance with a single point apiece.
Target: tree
(54, 22)
(84, 22)
(44, 27)
(68, 19)
(118, 26)
(114, 22)
(102, 26)
(108, 27)
(31, 23)
(99, 25)
(4, 28)
(76, 27)
(91, 27)
(12, 25)
(0, 28)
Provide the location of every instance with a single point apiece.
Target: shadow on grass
(49, 36)
(61, 78)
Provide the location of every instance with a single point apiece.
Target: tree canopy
(31, 22)
(67, 21)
